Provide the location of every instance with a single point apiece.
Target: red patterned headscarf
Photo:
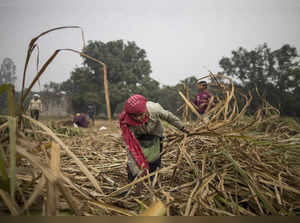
(134, 105)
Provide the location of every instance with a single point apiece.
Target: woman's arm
(168, 116)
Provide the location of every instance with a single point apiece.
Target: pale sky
(181, 37)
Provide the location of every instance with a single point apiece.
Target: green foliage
(128, 71)
(274, 73)
(7, 76)
(169, 98)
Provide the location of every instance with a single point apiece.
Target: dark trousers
(152, 166)
(35, 114)
(92, 116)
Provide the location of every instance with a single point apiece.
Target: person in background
(80, 120)
(92, 112)
(204, 99)
(35, 107)
(142, 131)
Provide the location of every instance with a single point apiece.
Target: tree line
(270, 74)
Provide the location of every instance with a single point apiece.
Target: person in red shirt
(203, 100)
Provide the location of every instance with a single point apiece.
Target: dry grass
(220, 173)
(223, 168)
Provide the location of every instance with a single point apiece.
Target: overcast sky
(181, 37)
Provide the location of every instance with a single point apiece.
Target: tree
(128, 71)
(292, 105)
(7, 76)
(170, 99)
(271, 72)
(8, 72)
(85, 88)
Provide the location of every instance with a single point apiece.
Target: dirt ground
(112, 126)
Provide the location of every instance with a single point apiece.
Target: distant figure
(35, 107)
(92, 112)
(203, 100)
(80, 120)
